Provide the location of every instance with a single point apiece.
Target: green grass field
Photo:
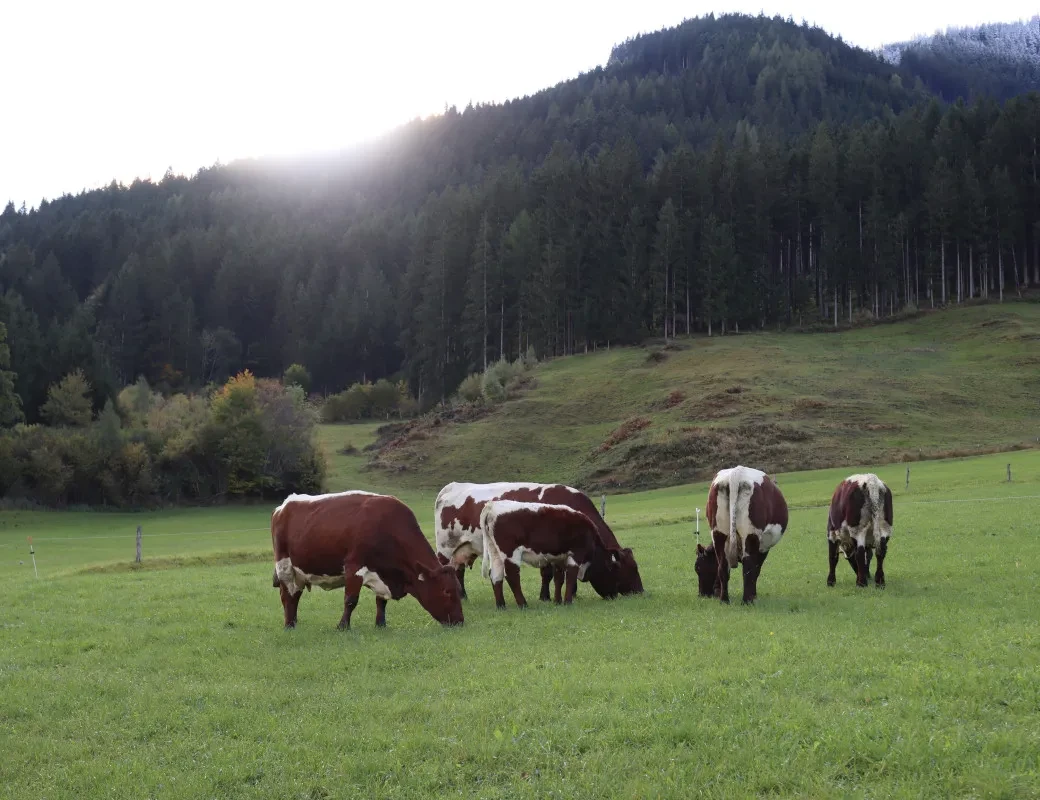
(176, 679)
(956, 382)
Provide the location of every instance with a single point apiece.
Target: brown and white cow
(748, 516)
(355, 539)
(859, 521)
(459, 537)
(543, 535)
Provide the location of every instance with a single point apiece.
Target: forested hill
(726, 173)
(1001, 59)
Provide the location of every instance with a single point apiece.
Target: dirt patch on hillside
(695, 453)
(674, 398)
(627, 430)
(730, 402)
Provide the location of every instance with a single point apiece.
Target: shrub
(297, 375)
(471, 389)
(68, 402)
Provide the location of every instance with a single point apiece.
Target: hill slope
(961, 380)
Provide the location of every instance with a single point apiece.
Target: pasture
(175, 679)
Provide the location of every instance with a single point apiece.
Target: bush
(68, 402)
(297, 375)
(251, 438)
(380, 400)
(471, 389)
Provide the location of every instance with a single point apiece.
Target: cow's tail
(283, 567)
(877, 510)
(492, 556)
(733, 543)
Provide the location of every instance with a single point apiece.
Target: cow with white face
(748, 516)
(860, 521)
(459, 536)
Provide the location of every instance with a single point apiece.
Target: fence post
(1009, 473)
(603, 506)
(907, 478)
(138, 559)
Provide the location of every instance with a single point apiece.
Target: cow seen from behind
(858, 524)
(748, 516)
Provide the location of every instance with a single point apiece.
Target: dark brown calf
(459, 537)
(539, 534)
(355, 539)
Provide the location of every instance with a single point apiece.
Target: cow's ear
(627, 550)
(700, 548)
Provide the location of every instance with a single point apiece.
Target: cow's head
(628, 580)
(602, 573)
(438, 591)
(707, 569)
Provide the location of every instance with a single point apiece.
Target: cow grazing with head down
(748, 516)
(541, 535)
(860, 521)
(459, 537)
(355, 539)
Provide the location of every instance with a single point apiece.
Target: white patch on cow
(374, 582)
(449, 538)
(295, 579)
(872, 528)
(736, 485)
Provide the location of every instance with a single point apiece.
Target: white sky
(99, 89)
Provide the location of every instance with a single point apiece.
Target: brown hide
(558, 532)
(467, 516)
(846, 508)
(338, 535)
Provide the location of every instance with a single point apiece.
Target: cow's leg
(460, 572)
(290, 602)
(513, 579)
(559, 575)
(381, 612)
(500, 600)
(879, 575)
(752, 563)
(547, 575)
(572, 584)
(832, 559)
(862, 573)
(351, 594)
(722, 581)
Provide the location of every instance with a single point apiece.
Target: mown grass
(180, 682)
(952, 382)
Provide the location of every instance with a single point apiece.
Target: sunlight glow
(117, 89)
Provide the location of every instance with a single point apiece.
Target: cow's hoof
(342, 627)
(880, 584)
(831, 581)
(291, 626)
(380, 624)
(500, 606)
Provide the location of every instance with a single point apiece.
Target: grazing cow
(542, 534)
(355, 539)
(460, 539)
(859, 521)
(748, 516)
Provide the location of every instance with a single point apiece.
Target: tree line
(736, 174)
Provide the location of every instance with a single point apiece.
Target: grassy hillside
(948, 383)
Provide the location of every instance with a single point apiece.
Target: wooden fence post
(603, 506)
(1009, 473)
(907, 478)
(138, 559)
